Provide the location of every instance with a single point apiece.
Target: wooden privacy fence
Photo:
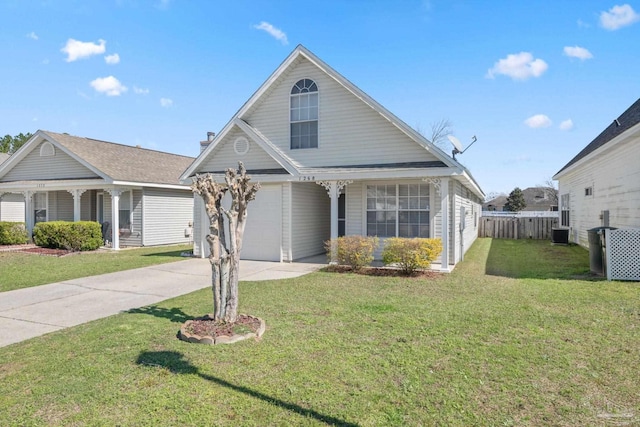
(517, 227)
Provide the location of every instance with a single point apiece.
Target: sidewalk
(31, 312)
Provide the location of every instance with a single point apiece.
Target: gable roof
(3, 157)
(113, 162)
(289, 164)
(623, 123)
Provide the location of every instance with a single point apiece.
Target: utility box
(597, 250)
(560, 236)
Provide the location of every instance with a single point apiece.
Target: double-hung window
(124, 211)
(564, 210)
(304, 114)
(398, 210)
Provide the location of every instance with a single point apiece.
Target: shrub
(355, 251)
(13, 233)
(74, 236)
(411, 254)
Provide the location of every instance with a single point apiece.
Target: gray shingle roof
(626, 121)
(124, 162)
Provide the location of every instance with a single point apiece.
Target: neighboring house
(134, 192)
(601, 185)
(536, 198)
(11, 205)
(332, 161)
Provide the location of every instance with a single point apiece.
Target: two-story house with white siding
(601, 184)
(134, 192)
(332, 161)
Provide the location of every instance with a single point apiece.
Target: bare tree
(439, 132)
(550, 191)
(225, 256)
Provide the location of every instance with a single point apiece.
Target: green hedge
(13, 233)
(355, 251)
(74, 236)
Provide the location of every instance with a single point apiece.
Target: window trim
(565, 210)
(47, 149)
(120, 227)
(317, 120)
(431, 213)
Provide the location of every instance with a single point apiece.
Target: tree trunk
(225, 262)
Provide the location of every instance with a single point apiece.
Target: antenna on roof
(617, 122)
(457, 145)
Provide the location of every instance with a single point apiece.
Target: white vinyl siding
(287, 250)
(166, 214)
(311, 212)
(200, 230)
(465, 228)
(224, 156)
(12, 207)
(350, 132)
(614, 174)
(355, 224)
(60, 166)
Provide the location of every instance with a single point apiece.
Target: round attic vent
(241, 145)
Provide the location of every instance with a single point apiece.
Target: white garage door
(263, 232)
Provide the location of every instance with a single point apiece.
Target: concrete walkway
(31, 312)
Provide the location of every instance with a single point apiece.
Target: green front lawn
(508, 338)
(20, 270)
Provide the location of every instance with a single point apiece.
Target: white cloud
(140, 91)
(582, 24)
(32, 36)
(109, 86)
(166, 102)
(577, 52)
(112, 59)
(518, 66)
(538, 121)
(77, 50)
(566, 124)
(618, 17)
(276, 33)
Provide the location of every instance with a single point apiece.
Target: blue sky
(535, 81)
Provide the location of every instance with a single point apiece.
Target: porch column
(442, 188)
(334, 188)
(444, 207)
(28, 211)
(115, 218)
(77, 195)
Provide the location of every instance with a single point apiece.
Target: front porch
(113, 208)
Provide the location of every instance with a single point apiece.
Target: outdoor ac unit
(560, 235)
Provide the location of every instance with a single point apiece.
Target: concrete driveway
(31, 312)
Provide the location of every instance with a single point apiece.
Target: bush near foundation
(354, 251)
(411, 255)
(73, 236)
(13, 233)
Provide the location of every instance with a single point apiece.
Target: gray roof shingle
(124, 162)
(626, 121)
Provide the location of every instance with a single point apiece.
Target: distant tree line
(11, 144)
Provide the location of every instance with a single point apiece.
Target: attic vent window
(47, 150)
(241, 145)
(304, 114)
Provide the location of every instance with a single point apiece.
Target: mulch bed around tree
(208, 327)
(383, 272)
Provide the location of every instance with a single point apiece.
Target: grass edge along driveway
(21, 270)
(508, 338)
